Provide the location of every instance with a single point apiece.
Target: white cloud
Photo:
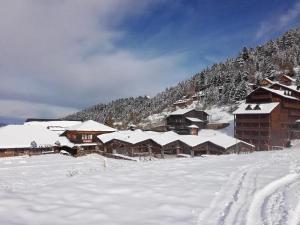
(279, 22)
(63, 54)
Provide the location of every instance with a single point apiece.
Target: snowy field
(253, 189)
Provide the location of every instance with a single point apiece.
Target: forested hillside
(223, 83)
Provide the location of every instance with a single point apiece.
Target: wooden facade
(9, 152)
(151, 148)
(268, 130)
(82, 137)
(261, 130)
(180, 123)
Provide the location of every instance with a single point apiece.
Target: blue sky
(60, 56)
(205, 31)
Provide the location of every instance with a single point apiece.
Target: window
(87, 136)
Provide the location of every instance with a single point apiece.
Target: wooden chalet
(265, 82)
(289, 103)
(84, 135)
(286, 80)
(264, 120)
(19, 140)
(180, 120)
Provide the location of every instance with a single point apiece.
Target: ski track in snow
(269, 205)
(247, 205)
(234, 207)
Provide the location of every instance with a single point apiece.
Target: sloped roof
(132, 137)
(193, 140)
(182, 111)
(265, 108)
(162, 139)
(290, 87)
(279, 92)
(91, 125)
(267, 79)
(21, 136)
(226, 141)
(193, 119)
(185, 110)
(58, 123)
(289, 78)
(165, 138)
(59, 126)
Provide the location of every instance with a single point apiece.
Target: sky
(59, 56)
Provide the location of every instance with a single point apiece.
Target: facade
(258, 125)
(266, 117)
(180, 120)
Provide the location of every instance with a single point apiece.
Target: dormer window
(257, 107)
(248, 107)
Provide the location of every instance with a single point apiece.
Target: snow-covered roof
(264, 108)
(58, 123)
(267, 79)
(59, 126)
(279, 92)
(193, 126)
(226, 141)
(21, 136)
(162, 139)
(193, 119)
(165, 138)
(91, 125)
(132, 137)
(290, 87)
(193, 140)
(182, 111)
(289, 78)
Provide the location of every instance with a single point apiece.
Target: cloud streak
(280, 22)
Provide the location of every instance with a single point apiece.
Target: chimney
(194, 129)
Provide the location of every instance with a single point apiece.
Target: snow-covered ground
(258, 188)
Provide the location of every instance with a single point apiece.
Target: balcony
(245, 128)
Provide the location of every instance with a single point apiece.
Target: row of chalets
(80, 138)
